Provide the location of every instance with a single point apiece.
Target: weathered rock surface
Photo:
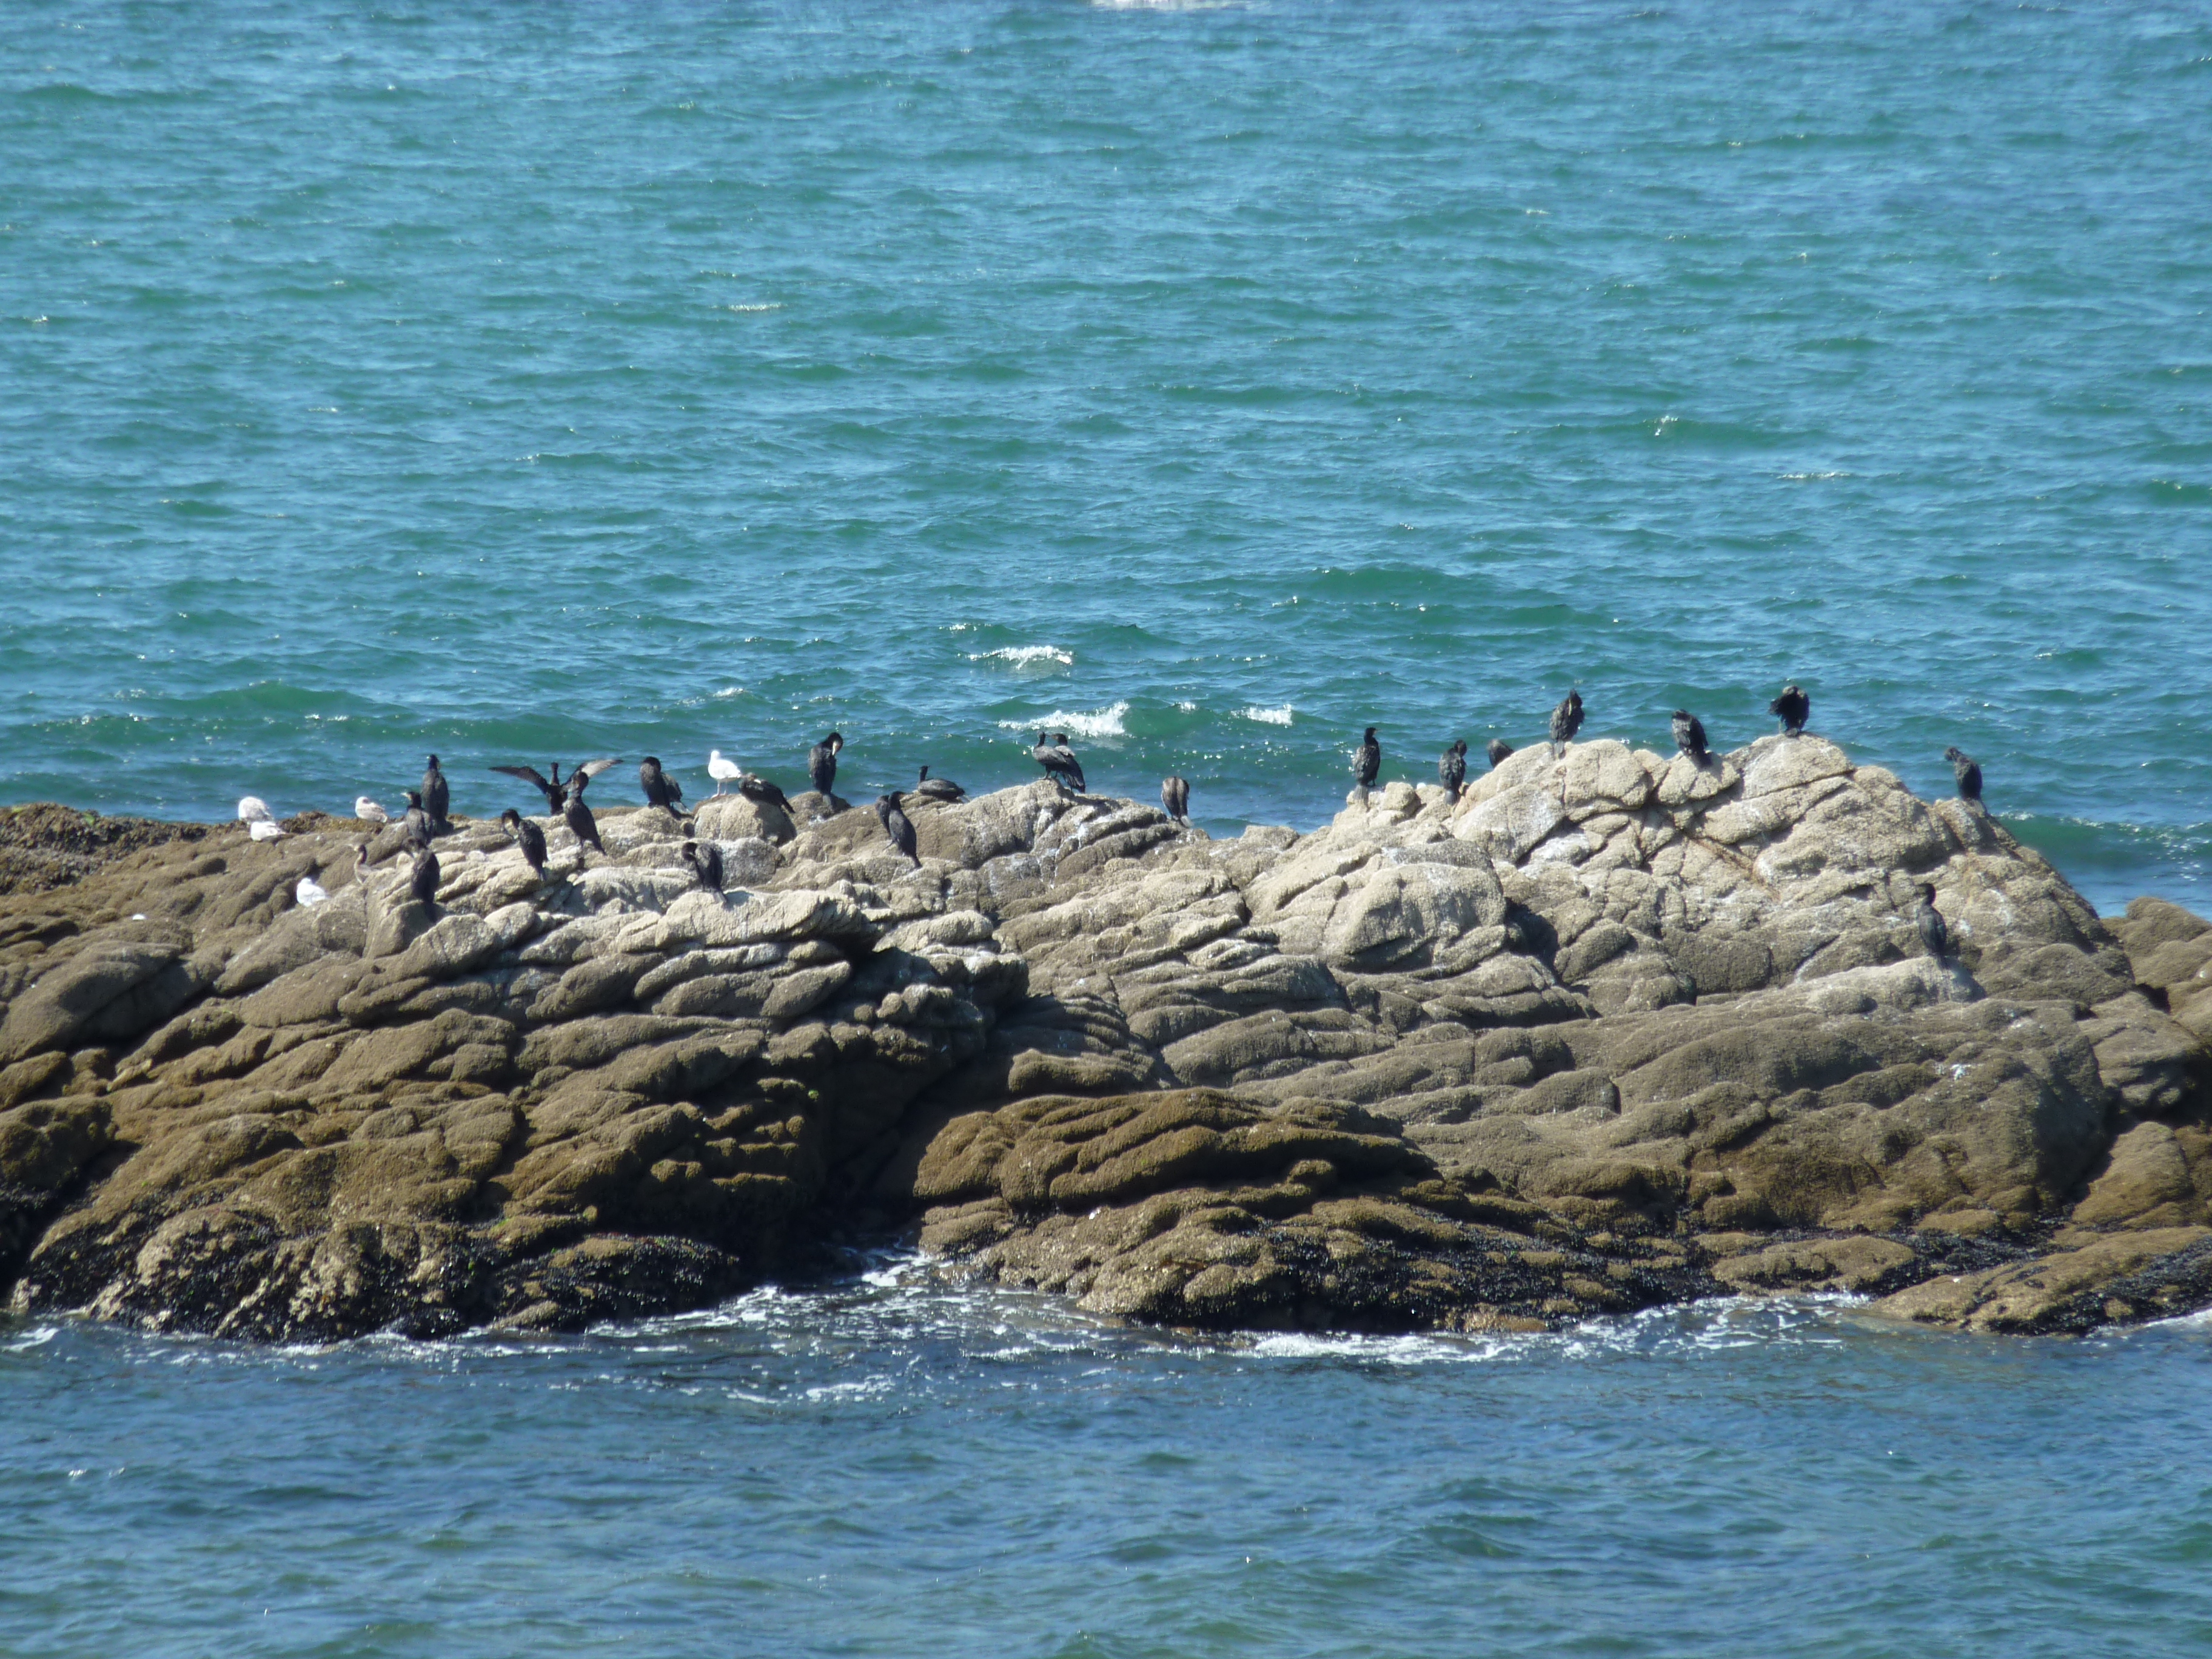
(1609, 1030)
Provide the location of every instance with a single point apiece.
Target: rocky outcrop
(1609, 1030)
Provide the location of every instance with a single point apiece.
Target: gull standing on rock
(937, 789)
(898, 825)
(722, 769)
(252, 809)
(1566, 720)
(1793, 707)
(1690, 737)
(1060, 762)
(1968, 771)
(706, 863)
(1498, 749)
(529, 837)
(660, 790)
(1930, 921)
(1174, 796)
(1451, 768)
(370, 811)
(822, 764)
(436, 797)
(1367, 760)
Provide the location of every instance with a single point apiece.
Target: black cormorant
(1451, 767)
(822, 764)
(1174, 796)
(1497, 749)
(415, 825)
(706, 863)
(436, 797)
(1793, 709)
(898, 825)
(1367, 760)
(1566, 720)
(660, 790)
(1690, 736)
(1060, 762)
(1968, 771)
(1930, 921)
(759, 791)
(939, 789)
(581, 824)
(423, 883)
(529, 837)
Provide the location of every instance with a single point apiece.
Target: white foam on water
(1022, 656)
(1098, 723)
(1280, 716)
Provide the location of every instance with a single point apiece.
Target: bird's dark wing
(528, 775)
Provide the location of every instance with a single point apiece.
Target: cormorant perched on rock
(1566, 720)
(706, 862)
(1690, 736)
(416, 823)
(1059, 764)
(423, 883)
(660, 790)
(1930, 921)
(1793, 709)
(558, 790)
(898, 825)
(436, 797)
(370, 811)
(1367, 760)
(1968, 771)
(942, 789)
(1497, 749)
(822, 764)
(1174, 797)
(581, 824)
(529, 837)
(759, 791)
(1451, 767)
(360, 868)
(722, 769)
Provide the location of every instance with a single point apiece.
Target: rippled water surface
(1209, 381)
(890, 1467)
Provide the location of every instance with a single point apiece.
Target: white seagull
(722, 771)
(263, 830)
(370, 811)
(310, 891)
(252, 809)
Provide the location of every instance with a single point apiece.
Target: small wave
(1021, 656)
(1269, 716)
(743, 309)
(1098, 723)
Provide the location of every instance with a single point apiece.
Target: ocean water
(1209, 380)
(891, 1467)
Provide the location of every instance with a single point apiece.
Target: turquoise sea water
(524, 382)
(530, 381)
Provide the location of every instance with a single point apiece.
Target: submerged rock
(1608, 1030)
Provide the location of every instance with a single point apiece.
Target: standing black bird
(1793, 707)
(660, 789)
(1930, 921)
(436, 797)
(1497, 749)
(1174, 797)
(822, 764)
(416, 826)
(581, 824)
(1451, 767)
(423, 883)
(761, 792)
(1968, 770)
(1566, 720)
(707, 863)
(1690, 736)
(1059, 764)
(942, 789)
(898, 825)
(1367, 760)
(529, 837)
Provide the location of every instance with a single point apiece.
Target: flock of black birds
(425, 815)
